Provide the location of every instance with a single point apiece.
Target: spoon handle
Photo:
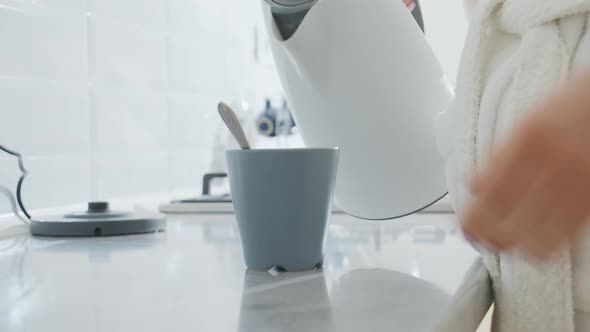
(232, 122)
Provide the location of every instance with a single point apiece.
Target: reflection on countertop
(376, 275)
(359, 300)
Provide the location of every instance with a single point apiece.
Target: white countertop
(393, 276)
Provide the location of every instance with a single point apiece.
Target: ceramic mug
(282, 200)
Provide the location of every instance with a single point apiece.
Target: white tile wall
(130, 120)
(192, 67)
(127, 174)
(110, 98)
(151, 13)
(53, 180)
(44, 117)
(183, 164)
(192, 125)
(57, 180)
(42, 41)
(190, 17)
(127, 54)
(76, 4)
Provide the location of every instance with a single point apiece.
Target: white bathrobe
(515, 52)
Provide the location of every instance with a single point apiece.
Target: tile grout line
(168, 60)
(91, 57)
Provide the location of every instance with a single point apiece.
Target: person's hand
(534, 194)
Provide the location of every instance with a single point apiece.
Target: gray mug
(282, 200)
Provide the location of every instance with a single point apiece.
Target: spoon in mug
(233, 124)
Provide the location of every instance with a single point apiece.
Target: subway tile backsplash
(43, 41)
(130, 120)
(192, 125)
(118, 45)
(114, 98)
(56, 180)
(44, 117)
(131, 174)
(150, 13)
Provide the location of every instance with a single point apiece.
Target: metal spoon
(232, 122)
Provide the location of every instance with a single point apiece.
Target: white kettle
(359, 75)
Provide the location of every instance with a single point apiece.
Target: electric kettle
(359, 75)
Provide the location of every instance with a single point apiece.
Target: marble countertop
(392, 276)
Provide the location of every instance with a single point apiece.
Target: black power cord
(21, 179)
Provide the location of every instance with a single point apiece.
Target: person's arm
(534, 194)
